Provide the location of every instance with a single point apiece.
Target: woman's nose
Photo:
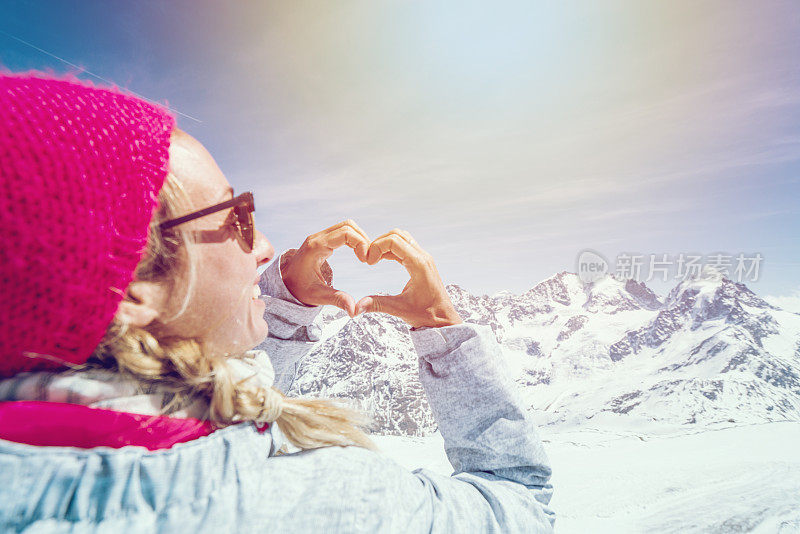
(263, 248)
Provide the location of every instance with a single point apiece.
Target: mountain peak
(562, 288)
(457, 289)
(711, 285)
(611, 294)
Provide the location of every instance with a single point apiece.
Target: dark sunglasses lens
(246, 226)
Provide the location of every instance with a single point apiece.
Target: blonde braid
(180, 366)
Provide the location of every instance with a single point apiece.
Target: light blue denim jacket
(232, 480)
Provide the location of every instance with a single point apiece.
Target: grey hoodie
(233, 480)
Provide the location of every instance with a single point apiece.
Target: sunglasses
(241, 218)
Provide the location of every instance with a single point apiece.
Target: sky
(506, 137)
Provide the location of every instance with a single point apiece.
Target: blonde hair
(180, 366)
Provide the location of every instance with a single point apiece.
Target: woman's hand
(424, 300)
(306, 272)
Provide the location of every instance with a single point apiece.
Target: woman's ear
(143, 303)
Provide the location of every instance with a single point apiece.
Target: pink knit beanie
(81, 168)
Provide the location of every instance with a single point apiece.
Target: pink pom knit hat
(81, 168)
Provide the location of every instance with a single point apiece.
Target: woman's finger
(407, 236)
(403, 233)
(405, 252)
(346, 235)
(328, 295)
(391, 304)
(349, 222)
(390, 256)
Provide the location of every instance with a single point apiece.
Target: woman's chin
(261, 328)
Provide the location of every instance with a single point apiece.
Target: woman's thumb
(380, 303)
(335, 297)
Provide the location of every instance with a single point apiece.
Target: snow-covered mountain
(711, 351)
(372, 361)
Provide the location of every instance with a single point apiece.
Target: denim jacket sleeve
(292, 332)
(501, 471)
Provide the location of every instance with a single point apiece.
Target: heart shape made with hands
(329, 294)
(422, 302)
(360, 279)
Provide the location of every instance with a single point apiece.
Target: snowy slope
(742, 478)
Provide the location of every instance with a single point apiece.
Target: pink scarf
(73, 425)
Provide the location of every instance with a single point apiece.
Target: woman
(131, 398)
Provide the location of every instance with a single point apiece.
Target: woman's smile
(226, 312)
